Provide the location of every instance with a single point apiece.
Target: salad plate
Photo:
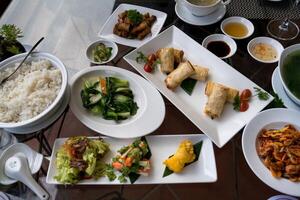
(151, 108)
(107, 29)
(219, 130)
(161, 146)
(269, 119)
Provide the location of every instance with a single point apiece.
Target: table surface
(235, 178)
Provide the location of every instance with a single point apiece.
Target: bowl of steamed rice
(33, 91)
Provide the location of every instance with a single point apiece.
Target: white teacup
(199, 10)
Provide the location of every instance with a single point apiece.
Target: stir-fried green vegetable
(101, 53)
(110, 97)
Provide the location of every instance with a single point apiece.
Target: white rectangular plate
(107, 29)
(221, 130)
(161, 146)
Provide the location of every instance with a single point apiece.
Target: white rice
(29, 91)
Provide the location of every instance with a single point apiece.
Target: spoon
(16, 167)
(31, 50)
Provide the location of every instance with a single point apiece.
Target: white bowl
(221, 37)
(107, 43)
(266, 40)
(200, 11)
(283, 55)
(10, 62)
(241, 20)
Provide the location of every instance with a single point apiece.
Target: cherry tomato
(151, 58)
(148, 68)
(246, 95)
(244, 106)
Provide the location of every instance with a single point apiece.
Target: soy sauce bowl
(225, 43)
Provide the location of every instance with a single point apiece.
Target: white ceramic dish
(45, 121)
(241, 20)
(186, 16)
(107, 29)
(34, 160)
(278, 88)
(161, 146)
(10, 62)
(203, 10)
(221, 130)
(224, 38)
(284, 54)
(265, 40)
(273, 118)
(107, 43)
(148, 118)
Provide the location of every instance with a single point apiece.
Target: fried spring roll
(232, 93)
(166, 57)
(183, 71)
(143, 34)
(216, 101)
(123, 27)
(142, 26)
(178, 56)
(201, 73)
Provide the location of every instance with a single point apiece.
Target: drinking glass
(284, 29)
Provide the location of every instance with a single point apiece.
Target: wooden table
(235, 178)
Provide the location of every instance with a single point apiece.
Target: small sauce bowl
(264, 42)
(240, 20)
(107, 43)
(221, 38)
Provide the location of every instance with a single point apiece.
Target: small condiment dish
(223, 38)
(107, 43)
(236, 19)
(268, 41)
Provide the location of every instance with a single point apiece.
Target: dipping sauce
(236, 29)
(263, 51)
(219, 48)
(291, 72)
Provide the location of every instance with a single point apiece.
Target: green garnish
(134, 16)
(188, 85)
(10, 32)
(109, 172)
(101, 53)
(197, 150)
(237, 103)
(141, 58)
(277, 102)
(261, 94)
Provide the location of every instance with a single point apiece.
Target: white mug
(199, 10)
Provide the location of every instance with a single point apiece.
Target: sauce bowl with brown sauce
(220, 45)
(265, 49)
(237, 27)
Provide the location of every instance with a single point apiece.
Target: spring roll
(201, 73)
(183, 71)
(216, 101)
(166, 57)
(178, 56)
(232, 93)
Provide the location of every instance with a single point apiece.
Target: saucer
(185, 15)
(278, 88)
